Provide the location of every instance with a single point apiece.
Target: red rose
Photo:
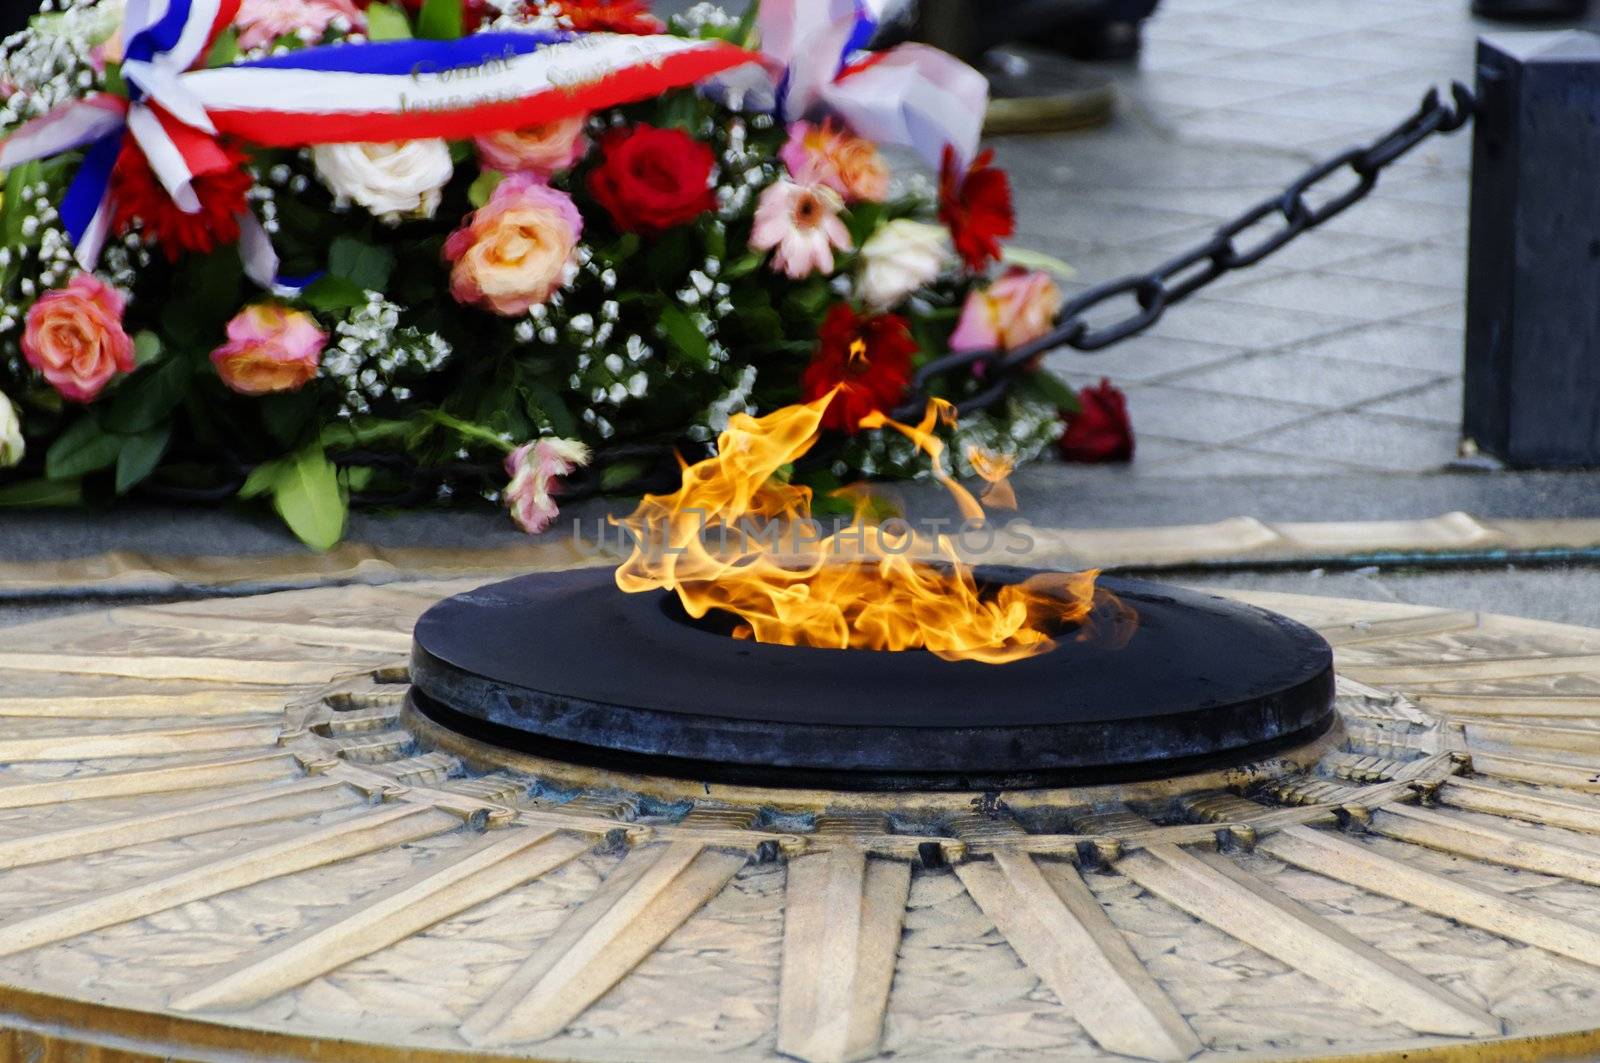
(975, 206)
(650, 179)
(1100, 430)
(867, 358)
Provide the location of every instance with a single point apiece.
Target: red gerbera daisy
(609, 16)
(868, 358)
(976, 207)
(140, 196)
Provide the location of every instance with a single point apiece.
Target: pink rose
(260, 22)
(515, 250)
(543, 149)
(1014, 310)
(536, 470)
(74, 337)
(270, 348)
(848, 164)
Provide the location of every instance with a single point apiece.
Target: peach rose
(846, 163)
(1016, 309)
(544, 149)
(515, 250)
(74, 337)
(270, 348)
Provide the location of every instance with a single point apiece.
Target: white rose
(11, 444)
(390, 180)
(899, 258)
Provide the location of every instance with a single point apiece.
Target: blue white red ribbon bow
(379, 91)
(911, 95)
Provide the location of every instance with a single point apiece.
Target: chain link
(1311, 200)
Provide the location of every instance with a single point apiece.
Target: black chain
(1286, 215)
(1235, 246)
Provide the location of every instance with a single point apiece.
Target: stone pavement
(1343, 352)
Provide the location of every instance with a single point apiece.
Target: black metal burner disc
(566, 666)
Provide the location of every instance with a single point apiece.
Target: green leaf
(1052, 389)
(82, 448)
(363, 432)
(148, 397)
(685, 335)
(330, 293)
(262, 479)
(621, 473)
(1021, 256)
(38, 494)
(140, 455)
(360, 263)
(863, 220)
(440, 20)
(480, 190)
(225, 49)
(306, 495)
(205, 294)
(14, 206)
(146, 347)
(385, 22)
(745, 264)
(545, 401)
(287, 413)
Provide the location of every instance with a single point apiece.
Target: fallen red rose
(1100, 430)
(868, 358)
(140, 197)
(976, 207)
(650, 179)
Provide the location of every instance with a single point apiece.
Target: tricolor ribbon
(376, 91)
(912, 95)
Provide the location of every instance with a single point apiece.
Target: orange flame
(737, 537)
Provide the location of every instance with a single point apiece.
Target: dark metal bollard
(1533, 277)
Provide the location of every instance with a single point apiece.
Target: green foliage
(225, 49)
(84, 447)
(440, 20)
(305, 491)
(41, 494)
(140, 454)
(361, 263)
(386, 22)
(685, 335)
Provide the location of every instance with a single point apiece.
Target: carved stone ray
(1057, 927)
(296, 851)
(199, 669)
(195, 775)
(375, 640)
(151, 742)
(843, 914)
(304, 797)
(500, 862)
(1215, 890)
(1472, 795)
(145, 706)
(1522, 735)
(1358, 865)
(1556, 705)
(1583, 778)
(1430, 672)
(654, 890)
(1358, 632)
(1463, 837)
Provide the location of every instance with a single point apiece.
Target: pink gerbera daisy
(800, 225)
